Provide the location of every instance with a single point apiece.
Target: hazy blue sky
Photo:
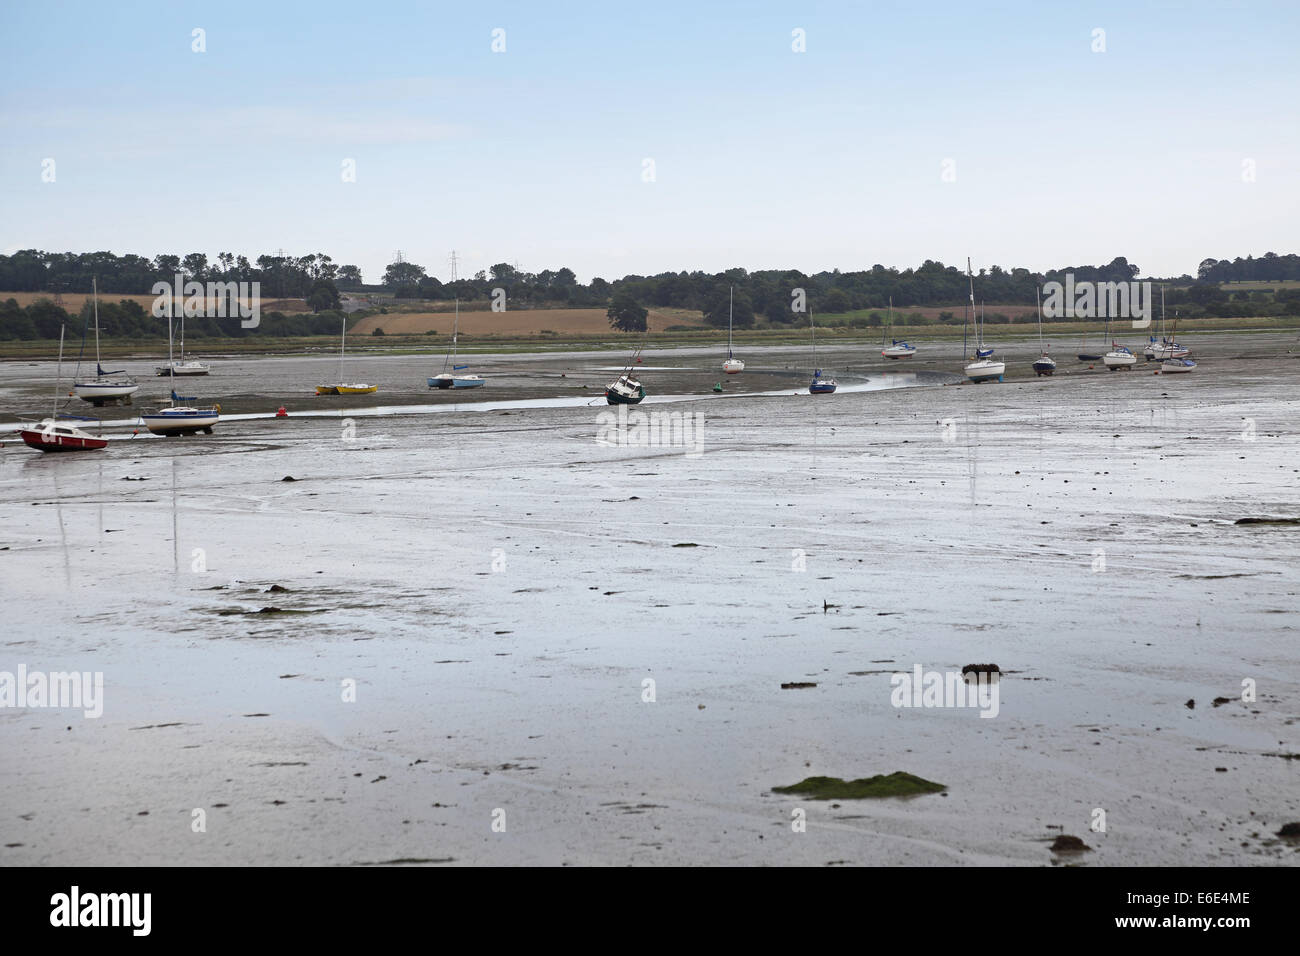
(763, 157)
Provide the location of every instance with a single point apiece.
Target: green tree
(626, 315)
(719, 307)
(403, 274)
(323, 296)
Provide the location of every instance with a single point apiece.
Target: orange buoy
(281, 413)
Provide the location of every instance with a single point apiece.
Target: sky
(641, 138)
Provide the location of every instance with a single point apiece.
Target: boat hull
(346, 389)
(96, 392)
(733, 366)
(985, 371)
(898, 353)
(1118, 360)
(822, 388)
(61, 438)
(181, 422)
(469, 381)
(1177, 365)
(185, 368)
(1088, 357)
(1044, 366)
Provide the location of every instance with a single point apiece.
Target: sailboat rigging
(732, 365)
(820, 384)
(626, 390)
(52, 434)
(984, 368)
(105, 386)
(1044, 364)
(896, 350)
(178, 419)
(340, 387)
(180, 366)
(451, 379)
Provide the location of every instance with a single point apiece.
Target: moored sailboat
(820, 384)
(180, 419)
(54, 434)
(180, 366)
(105, 386)
(340, 387)
(897, 349)
(454, 378)
(1044, 364)
(732, 365)
(626, 390)
(984, 368)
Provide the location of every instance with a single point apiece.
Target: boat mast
(343, 340)
(94, 287)
(1038, 300)
(731, 312)
(54, 410)
(812, 325)
(970, 305)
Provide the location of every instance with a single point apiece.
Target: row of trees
(762, 296)
(128, 319)
(1270, 267)
(281, 276)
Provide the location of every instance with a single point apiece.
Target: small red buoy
(281, 413)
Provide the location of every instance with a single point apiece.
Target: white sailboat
(105, 386)
(1168, 346)
(1044, 364)
(340, 387)
(180, 366)
(1175, 363)
(984, 368)
(732, 365)
(450, 379)
(897, 349)
(1119, 356)
(177, 418)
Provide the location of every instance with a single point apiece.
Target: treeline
(767, 294)
(762, 297)
(281, 276)
(1270, 267)
(127, 319)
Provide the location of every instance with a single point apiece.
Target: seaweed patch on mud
(270, 611)
(897, 784)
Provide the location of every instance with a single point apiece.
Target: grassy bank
(156, 350)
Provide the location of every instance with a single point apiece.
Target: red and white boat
(50, 434)
(53, 435)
